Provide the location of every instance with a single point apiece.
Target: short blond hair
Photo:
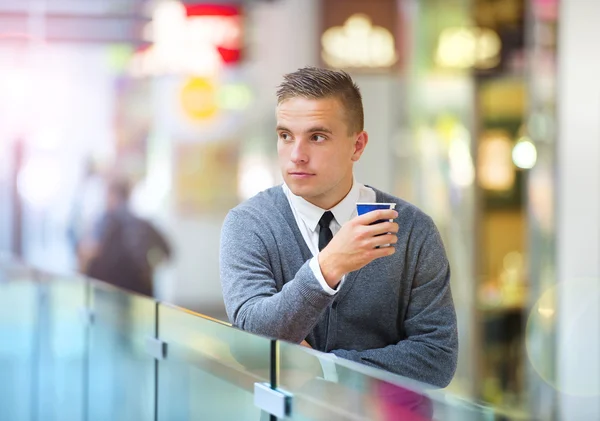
(318, 83)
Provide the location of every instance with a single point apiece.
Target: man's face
(316, 149)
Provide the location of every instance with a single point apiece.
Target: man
(124, 249)
(297, 263)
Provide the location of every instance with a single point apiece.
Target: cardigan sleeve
(252, 300)
(429, 350)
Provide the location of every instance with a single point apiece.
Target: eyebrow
(311, 130)
(319, 129)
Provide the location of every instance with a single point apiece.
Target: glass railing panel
(18, 345)
(210, 369)
(326, 388)
(62, 357)
(121, 379)
(72, 349)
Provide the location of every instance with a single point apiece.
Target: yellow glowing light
(358, 44)
(496, 171)
(524, 154)
(546, 312)
(198, 99)
(464, 48)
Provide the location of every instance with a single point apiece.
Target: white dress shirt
(308, 215)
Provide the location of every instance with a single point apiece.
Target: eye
(318, 138)
(285, 136)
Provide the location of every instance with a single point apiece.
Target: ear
(360, 143)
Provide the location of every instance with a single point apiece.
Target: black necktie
(325, 234)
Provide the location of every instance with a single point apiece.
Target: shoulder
(260, 211)
(255, 223)
(256, 206)
(408, 214)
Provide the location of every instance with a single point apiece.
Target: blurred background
(484, 113)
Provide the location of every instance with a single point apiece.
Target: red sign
(212, 10)
(226, 26)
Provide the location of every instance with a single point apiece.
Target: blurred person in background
(123, 249)
(88, 204)
(297, 263)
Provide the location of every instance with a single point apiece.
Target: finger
(370, 217)
(377, 253)
(380, 240)
(382, 228)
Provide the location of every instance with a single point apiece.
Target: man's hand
(354, 245)
(304, 343)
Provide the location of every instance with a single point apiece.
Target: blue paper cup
(362, 208)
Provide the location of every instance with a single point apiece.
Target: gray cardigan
(396, 313)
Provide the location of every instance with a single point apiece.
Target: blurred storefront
(197, 106)
(58, 66)
(466, 165)
(435, 166)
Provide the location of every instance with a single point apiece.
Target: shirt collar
(311, 214)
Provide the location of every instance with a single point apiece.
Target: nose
(299, 152)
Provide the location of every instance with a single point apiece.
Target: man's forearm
(422, 361)
(290, 314)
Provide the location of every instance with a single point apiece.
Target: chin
(300, 190)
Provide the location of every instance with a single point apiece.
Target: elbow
(238, 318)
(445, 378)
(249, 320)
(446, 368)
(438, 365)
(446, 357)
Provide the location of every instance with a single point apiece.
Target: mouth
(300, 174)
